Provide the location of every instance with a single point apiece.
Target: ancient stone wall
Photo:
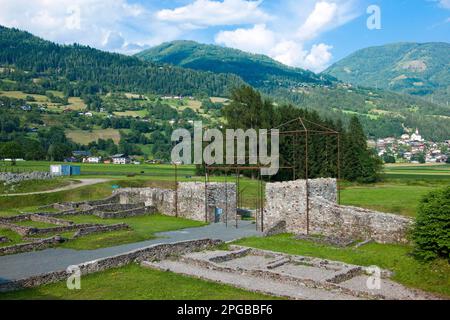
(38, 244)
(189, 199)
(100, 228)
(12, 178)
(286, 206)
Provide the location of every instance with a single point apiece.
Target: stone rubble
(9, 178)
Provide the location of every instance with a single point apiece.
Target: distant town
(411, 148)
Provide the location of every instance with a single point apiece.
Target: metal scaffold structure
(296, 135)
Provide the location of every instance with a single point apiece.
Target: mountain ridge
(420, 69)
(78, 63)
(258, 70)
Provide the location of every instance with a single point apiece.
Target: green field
(85, 137)
(133, 282)
(35, 185)
(401, 190)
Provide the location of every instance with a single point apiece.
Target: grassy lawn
(401, 191)
(433, 277)
(10, 205)
(142, 228)
(400, 197)
(12, 236)
(133, 282)
(35, 185)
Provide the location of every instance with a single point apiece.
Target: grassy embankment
(133, 282)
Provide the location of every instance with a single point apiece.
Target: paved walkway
(73, 185)
(23, 265)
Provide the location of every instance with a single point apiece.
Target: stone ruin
(8, 178)
(286, 205)
(188, 201)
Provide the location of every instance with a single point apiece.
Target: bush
(431, 232)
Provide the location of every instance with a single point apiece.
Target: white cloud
(444, 4)
(319, 57)
(290, 47)
(255, 40)
(205, 13)
(111, 25)
(323, 14)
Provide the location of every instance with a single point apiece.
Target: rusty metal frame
(307, 132)
(304, 130)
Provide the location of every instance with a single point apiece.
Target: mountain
(420, 69)
(382, 112)
(77, 68)
(259, 71)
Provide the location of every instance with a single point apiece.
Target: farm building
(65, 170)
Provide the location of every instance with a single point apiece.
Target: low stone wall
(331, 219)
(11, 178)
(83, 205)
(61, 229)
(31, 246)
(49, 219)
(127, 213)
(16, 218)
(162, 199)
(190, 200)
(99, 229)
(286, 212)
(152, 253)
(22, 230)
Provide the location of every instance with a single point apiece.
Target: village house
(121, 159)
(92, 160)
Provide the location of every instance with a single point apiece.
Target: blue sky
(310, 34)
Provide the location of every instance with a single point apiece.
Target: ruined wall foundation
(188, 201)
(286, 207)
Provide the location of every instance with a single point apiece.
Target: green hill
(79, 69)
(260, 71)
(419, 69)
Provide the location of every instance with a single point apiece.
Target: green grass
(142, 228)
(11, 205)
(133, 282)
(411, 171)
(391, 197)
(34, 186)
(12, 236)
(433, 277)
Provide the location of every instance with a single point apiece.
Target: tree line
(249, 109)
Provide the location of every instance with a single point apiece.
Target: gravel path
(73, 185)
(19, 266)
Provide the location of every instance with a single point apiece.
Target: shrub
(431, 232)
